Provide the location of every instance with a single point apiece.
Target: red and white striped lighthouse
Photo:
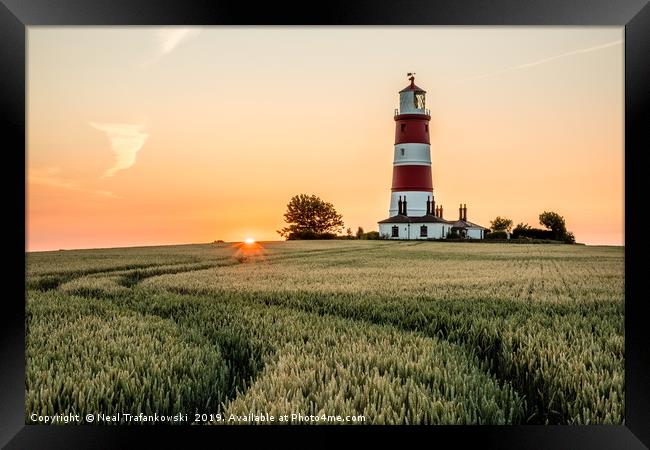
(412, 182)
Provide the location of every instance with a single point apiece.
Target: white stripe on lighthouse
(412, 154)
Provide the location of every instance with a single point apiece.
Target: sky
(149, 135)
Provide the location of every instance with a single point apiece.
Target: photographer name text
(251, 418)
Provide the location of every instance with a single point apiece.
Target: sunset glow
(138, 135)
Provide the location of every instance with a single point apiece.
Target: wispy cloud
(126, 141)
(544, 60)
(51, 176)
(170, 38)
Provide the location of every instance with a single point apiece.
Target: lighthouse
(412, 182)
(413, 213)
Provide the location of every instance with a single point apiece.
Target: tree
(308, 215)
(501, 224)
(348, 232)
(554, 222)
(359, 233)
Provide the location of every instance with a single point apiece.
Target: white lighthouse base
(416, 202)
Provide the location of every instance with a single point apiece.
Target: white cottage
(429, 226)
(402, 226)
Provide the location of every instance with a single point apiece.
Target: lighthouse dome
(412, 87)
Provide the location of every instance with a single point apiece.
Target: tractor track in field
(246, 368)
(131, 275)
(487, 356)
(251, 365)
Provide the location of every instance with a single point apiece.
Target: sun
(249, 240)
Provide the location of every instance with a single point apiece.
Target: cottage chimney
(440, 212)
(433, 206)
(428, 205)
(464, 211)
(460, 212)
(399, 205)
(404, 206)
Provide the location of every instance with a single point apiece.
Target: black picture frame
(634, 15)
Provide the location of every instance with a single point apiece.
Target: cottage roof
(429, 218)
(397, 219)
(466, 224)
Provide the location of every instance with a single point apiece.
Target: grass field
(400, 332)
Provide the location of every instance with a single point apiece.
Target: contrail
(544, 60)
(170, 38)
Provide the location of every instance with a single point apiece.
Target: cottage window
(423, 231)
(395, 232)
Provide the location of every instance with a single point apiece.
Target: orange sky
(144, 135)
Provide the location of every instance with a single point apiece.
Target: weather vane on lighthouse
(411, 77)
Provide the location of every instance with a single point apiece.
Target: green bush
(302, 235)
(535, 233)
(497, 235)
(308, 235)
(569, 238)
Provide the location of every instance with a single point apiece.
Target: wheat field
(396, 332)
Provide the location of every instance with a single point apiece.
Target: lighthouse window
(402, 150)
(395, 232)
(423, 231)
(426, 127)
(402, 127)
(419, 100)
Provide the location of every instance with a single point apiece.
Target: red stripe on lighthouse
(412, 178)
(412, 128)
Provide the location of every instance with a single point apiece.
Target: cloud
(126, 141)
(50, 176)
(170, 38)
(544, 60)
